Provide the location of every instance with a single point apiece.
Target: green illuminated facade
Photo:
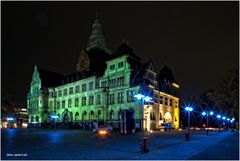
(102, 90)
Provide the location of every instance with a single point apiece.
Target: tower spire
(96, 39)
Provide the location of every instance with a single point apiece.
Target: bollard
(144, 144)
(187, 136)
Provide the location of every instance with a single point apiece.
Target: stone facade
(102, 91)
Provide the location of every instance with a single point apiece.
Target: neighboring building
(102, 90)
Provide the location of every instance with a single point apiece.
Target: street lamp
(207, 114)
(218, 117)
(55, 117)
(188, 109)
(142, 98)
(10, 120)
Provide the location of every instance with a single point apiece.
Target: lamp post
(54, 117)
(188, 109)
(218, 117)
(142, 98)
(207, 114)
(224, 118)
(11, 121)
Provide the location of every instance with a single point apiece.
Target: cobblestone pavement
(82, 145)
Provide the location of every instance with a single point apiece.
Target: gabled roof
(165, 75)
(49, 78)
(124, 49)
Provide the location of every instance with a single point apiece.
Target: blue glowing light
(139, 96)
(211, 113)
(233, 119)
(10, 119)
(218, 116)
(204, 113)
(228, 119)
(54, 117)
(147, 99)
(224, 118)
(188, 108)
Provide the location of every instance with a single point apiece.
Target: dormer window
(112, 67)
(120, 65)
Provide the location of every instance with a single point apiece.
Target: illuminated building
(102, 90)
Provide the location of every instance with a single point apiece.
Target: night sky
(197, 40)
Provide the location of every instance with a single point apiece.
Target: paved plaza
(82, 145)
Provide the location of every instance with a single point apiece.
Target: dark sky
(197, 40)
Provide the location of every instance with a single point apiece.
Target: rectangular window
(130, 96)
(69, 103)
(71, 90)
(112, 67)
(91, 86)
(98, 101)
(58, 105)
(77, 89)
(111, 99)
(112, 82)
(65, 92)
(176, 104)
(91, 98)
(170, 102)
(84, 101)
(120, 65)
(121, 81)
(161, 100)
(120, 97)
(166, 101)
(50, 104)
(63, 104)
(84, 87)
(76, 102)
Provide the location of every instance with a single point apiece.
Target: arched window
(111, 115)
(91, 114)
(76, 116)
(37, 118)
(160, 116)
(32, 119)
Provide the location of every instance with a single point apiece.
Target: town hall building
(102, 89)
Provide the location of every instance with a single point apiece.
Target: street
(79, 144)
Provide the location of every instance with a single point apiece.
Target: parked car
(103, 130)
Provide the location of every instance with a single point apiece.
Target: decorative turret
(96, 40)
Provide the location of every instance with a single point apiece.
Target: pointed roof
(49, 78)
(96, 39)
(165, 76)
(124, 49)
